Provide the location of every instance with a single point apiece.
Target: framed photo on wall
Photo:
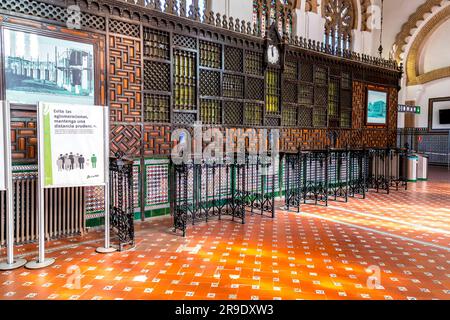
(43, 68)
(439, 114)
(376, 106)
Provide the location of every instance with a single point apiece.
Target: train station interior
(239, 150)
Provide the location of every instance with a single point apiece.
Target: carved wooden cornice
(221, 27)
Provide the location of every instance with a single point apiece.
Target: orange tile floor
(321, 253)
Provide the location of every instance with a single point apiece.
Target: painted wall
(433, 55)
(310, 25)
(396, 13)
(422, 94)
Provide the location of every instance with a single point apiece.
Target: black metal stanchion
(122, 199)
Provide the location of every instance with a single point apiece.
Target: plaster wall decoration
(311, 6)
(339, 22)
(415, 45)
(370, 14)
(414, 21)
(366, 15)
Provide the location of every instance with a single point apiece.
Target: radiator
(64, 210)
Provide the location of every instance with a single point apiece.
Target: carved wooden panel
(23, 139)
(48, 11)
(357, 139)
(375, 138)
(125, 79)
(393, 117)
(358, 105)
(239, 75)
(157, 140)
(233, 113)
(293, 139)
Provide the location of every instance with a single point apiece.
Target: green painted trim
(422, 179)
(412, 180)
(158, 212)
(95, 222)
(48, 167)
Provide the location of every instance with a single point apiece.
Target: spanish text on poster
(71, 145)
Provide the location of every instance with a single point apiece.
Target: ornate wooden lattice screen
(164, 71)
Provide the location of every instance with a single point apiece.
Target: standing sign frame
(44, 161)
(5, 148)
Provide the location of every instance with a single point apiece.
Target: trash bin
(395, 165)
(412, 168)
(422, 167)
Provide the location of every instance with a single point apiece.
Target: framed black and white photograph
(42, 68)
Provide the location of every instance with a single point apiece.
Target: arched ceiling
(399, 19)
(420, 43)
(421, 11)
(435, 53)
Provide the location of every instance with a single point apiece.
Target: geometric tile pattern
(157, 184)
(393, 116)
(95, 201)
(128, 29)
(374, 138)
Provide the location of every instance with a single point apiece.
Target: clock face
(273, 55)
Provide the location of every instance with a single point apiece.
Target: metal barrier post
(11, 263)
(107, 247)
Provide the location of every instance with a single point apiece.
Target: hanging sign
(71, 145)
(408, 109)
(2, 146)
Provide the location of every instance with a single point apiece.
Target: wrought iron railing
(207, 190)
(319, 176)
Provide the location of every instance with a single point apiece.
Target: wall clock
(274, 49)
(273, 55)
